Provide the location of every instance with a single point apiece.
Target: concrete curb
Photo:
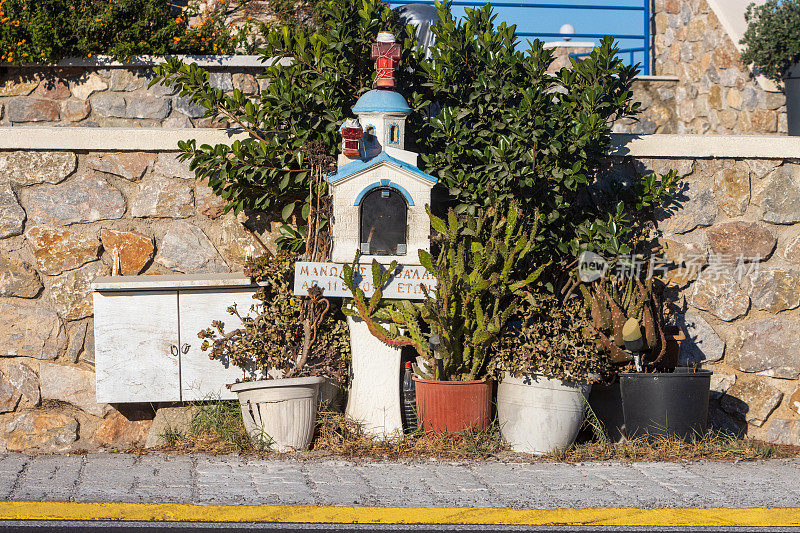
(620, 517)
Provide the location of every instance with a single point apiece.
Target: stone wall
(700, 86)
(108, 97)
(64, 216)
(735, 227)
(713, 92)
(66, 213)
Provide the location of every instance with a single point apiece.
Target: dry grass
(218, 429)
(710, 447)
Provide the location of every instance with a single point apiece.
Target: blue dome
(377, 101)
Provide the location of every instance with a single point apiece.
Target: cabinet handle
(185, 348)
(174, 350)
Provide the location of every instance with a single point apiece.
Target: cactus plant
(627, 314)
(475, 294)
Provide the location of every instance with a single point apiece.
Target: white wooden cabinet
(146, 344)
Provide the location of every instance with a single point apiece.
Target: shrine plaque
(404, 285)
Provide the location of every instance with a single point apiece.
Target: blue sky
(584, 21)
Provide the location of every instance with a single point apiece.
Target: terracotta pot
(454, 406)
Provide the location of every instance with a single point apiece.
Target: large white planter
(539, 414)
(280, 411)
(374, 399)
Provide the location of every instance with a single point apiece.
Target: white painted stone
(374, 399)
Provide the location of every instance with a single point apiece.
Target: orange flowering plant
(45, 31)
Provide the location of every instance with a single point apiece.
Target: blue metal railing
(644, 8)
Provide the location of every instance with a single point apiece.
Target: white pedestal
(374, 399)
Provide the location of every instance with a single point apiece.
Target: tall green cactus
(474, 297)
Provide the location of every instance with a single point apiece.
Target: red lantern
(386, 54)
(351, 137)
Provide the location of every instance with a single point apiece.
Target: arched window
(384, 214)
(394, 134)
(369, 134)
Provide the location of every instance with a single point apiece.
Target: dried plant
(551, 338)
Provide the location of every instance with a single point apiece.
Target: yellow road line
(755, 517)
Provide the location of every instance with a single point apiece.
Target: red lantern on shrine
(351, 137)
(386, 54)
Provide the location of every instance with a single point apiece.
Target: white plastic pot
(281, 412)
(538, 414)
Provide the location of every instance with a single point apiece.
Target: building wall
(712, 91)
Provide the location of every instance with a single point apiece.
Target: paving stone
(175, 419)
(131, 106)
(128, 165)
(687, 213)
(33, 167)
(28, 330)
(60, 249)
(74, 110)
(221, 80)
(87, 85)
(779, 196)
(134, 250)
(720, 383)
(702, 344)
(20, 85)
(40, 431)
(246, 83)
(185, 248)
(237, 244)
(77, 336)
(732, 188)
(86, 198)
(770, 346)
(70, 384)
(747, 241)
(169, 166)
(752, 399)
(126, 80)
(183, 104)
(160, 197)
(783, 431)
(9, 395)
(12, 216)
(28, 109)
(775, 290)
(721, 295)
(794, 401)
(53, 89)
(122, 432)
(212, 205)
(18, 278)
(71, 292)
(25, 380)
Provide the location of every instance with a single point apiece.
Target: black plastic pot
(660, 404)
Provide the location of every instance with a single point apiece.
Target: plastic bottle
(409, 401)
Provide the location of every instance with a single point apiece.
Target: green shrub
(45, 31)
(506, 127)
(772, 37)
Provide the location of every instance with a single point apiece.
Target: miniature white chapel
(379, 199)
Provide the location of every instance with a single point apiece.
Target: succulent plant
(628, 315)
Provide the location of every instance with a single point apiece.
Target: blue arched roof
(378, 101)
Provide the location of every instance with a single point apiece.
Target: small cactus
(474, 297)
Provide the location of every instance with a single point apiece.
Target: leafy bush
(772, 37)
(272, 336)
(46, 31)
(505, 125)
(551, 338)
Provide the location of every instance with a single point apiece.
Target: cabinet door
(135, 332)
(202, 378)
